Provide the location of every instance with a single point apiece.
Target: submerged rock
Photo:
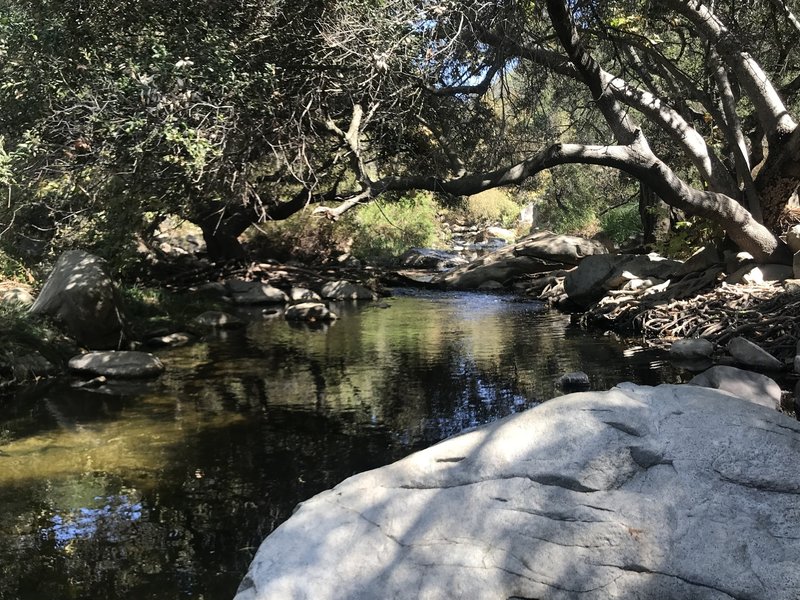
(117, 364)
(214, 319)
(666, 492)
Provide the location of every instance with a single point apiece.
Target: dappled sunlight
(138, 439)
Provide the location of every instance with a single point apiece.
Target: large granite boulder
(638, 492)
(597, 274)
(80, 294)
(537, 253)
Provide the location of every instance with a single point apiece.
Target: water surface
(164, 490)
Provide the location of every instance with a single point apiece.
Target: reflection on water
(164, 490)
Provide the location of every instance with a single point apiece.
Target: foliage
(491, 207)
(229, 114)
(382, 231)
(689, 236)
(622, 222)
(150, 308)
(23, 335)
(572, 198)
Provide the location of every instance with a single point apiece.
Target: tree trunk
(778, 184)
(221, 231)
(655, 215)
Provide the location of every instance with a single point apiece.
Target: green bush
(622, 222)
(384, 229)
(491, 206)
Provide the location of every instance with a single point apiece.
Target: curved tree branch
(771, 111)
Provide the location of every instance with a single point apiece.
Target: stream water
(164, 490)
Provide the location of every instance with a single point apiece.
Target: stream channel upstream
(163, 490)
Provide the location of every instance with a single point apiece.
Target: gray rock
(753, 387)
(565, 249)
(123, 364)
(17, 295)
(793, 238)
(577, 381)
(597, 274)
(749, 355)
(256, 292)
(345, 290)
(299, 294)
(31, 366)
(428, 258)
(691, 349)
(80, 294)
(171, 340)
(540, 252)
(212, 289)
(309, 311)
(650, 493)
(757, 274)
(702, 260)
(490, 285)
(796, 265)
(214, 319)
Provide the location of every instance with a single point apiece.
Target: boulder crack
(641, 569)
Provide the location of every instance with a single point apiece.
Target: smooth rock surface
(301, 294)
(752, 356)
(345, 290)
(430, 258)
(648, 493)
(256, 292)
(80, 294)
(536, 253)
(123, 364)
(753, 387)
(691, 349)
(309, 311)
(597, 274)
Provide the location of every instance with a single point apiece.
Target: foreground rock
(80, 294)
(123, 364)
(667, 492)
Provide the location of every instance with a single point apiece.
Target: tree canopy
(234, 113)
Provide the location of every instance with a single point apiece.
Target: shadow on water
(164, 490)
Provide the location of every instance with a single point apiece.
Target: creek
(164, 490)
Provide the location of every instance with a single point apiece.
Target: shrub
(622, 222)
(383, 230)
(491, 206)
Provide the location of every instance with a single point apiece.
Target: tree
(334, 103)
(678, 109)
